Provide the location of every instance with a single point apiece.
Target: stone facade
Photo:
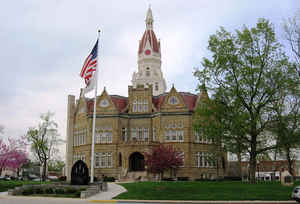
(126, 127)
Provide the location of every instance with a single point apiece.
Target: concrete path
(112, 191)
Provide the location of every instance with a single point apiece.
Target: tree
(163, 158)
(56, 165)
(292, 35)
(214, 119)
(44, 140)
(246, 73)
(12, 154)
(286, 126)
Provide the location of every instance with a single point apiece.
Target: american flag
(90, 64)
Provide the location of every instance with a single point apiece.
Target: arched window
(120, 159)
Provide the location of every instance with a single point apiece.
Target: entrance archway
(80, 173)
(136, 162)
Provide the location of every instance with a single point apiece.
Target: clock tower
(149, 60)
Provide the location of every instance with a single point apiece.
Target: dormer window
(173, 100)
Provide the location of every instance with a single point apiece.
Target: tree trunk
(290, 163)
(44, 170)
(252, 167)
(0, 171)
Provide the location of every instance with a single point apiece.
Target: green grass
(5, 185)
(206, 191)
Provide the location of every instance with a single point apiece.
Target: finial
(149, 19)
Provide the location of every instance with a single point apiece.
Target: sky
(43, 45)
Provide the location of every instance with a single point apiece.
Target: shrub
(232, 178)
(168, 179)
(49, 191)
(62, 178)
(77, 194)
(59, 191)
(109, 179)
(28, 191)
(71, 190)
(182, 178)
(38, 191)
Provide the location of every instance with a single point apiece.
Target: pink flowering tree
(163, 158)
(12, 154)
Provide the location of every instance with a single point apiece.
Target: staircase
(135, 176)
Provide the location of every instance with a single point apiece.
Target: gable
(173, 102)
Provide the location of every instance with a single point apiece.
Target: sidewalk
(113, 190)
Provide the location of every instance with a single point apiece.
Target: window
(120, 159)
(140, 134)
(124, 134)
(182, 156)
(156, 86)
(153, 134)
(167, 135)
(205, 159)
(180, 135)
(146, 134)
(104, 134)
(133, 133)
(97, 160)
(147, 71)
(173, 100)
(103, 160)
(145, 105)
(180, 124)
(140, 104)
(134, 108)
(79, 137)
(201, 138)
(173, 135)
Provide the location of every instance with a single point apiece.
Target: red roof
(149, 35)
(121, 102)
(189, 100)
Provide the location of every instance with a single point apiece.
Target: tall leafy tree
(163, 158)
(286, 126)
(246, 73)
(292, 34)
(44, 140)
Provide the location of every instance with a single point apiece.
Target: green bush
(28, 191)
(49, 191)
(71, 190)
(59, 191)
(77, 194)
(38, 191)
(109, 179)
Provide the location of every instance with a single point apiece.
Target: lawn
(206, 191)
(5, 185)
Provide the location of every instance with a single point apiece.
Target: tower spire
(149, 19)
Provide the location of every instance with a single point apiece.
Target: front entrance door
(136, 162)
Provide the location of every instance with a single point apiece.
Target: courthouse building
(127, 127)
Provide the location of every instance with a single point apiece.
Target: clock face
(104, 103)
(147, 52)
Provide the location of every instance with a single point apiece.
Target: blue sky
(44, 44)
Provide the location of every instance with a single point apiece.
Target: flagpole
(94, 116)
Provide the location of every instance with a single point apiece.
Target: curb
(192, 202)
